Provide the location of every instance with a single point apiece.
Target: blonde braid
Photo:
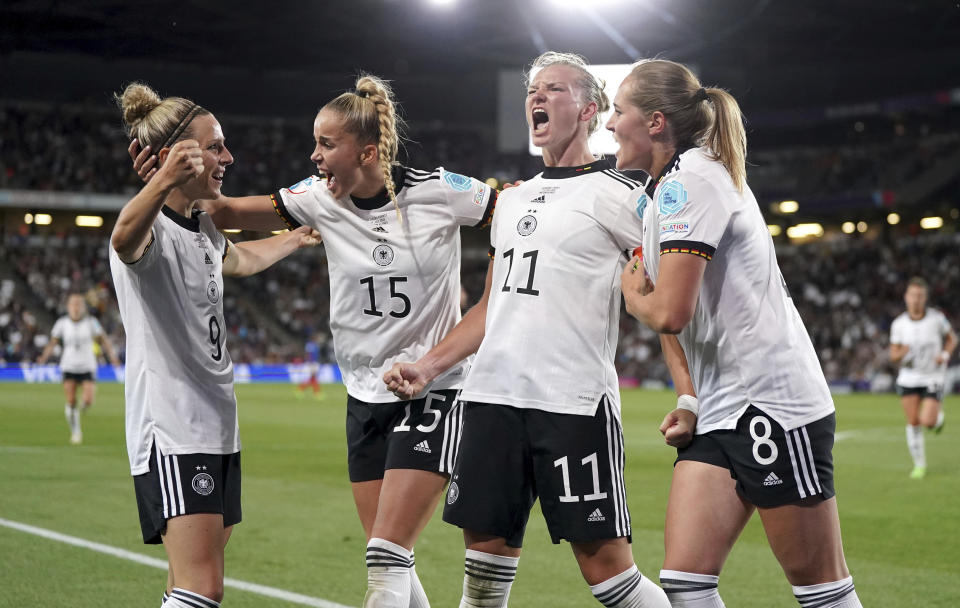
(379, 93)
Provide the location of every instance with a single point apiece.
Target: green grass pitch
(300, 532)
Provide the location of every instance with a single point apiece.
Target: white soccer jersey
(925, 338)
(559, 243)
(746, 343)
(179, 375)
(394, 288)
(76, 339)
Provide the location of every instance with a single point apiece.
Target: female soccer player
(392, 239)
(542, 402)
(766, 421)
(77, 331)
(168, 260)
(921, 341)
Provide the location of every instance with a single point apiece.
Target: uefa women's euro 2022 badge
(460, 183)
(671, 198)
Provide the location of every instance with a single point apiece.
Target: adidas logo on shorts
(596, 516)
(772, 480)
(424, 447)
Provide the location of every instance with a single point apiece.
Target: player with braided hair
(392, 239)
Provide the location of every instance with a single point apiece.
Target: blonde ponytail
(697, 116)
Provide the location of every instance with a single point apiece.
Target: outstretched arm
(108, 350)
(407, 380)
(250, 257)
(47, 350)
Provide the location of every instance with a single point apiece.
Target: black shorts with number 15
(418, 434)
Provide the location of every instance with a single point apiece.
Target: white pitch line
(280, 594)
(841, 435)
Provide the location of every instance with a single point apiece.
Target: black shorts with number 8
(772, 467)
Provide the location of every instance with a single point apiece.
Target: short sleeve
(57, 331)
(470, 200)
(299, 205)
(151, 254)
(692, 216)
(896, 332)
(944, 325)
(625, 223)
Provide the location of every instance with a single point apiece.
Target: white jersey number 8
(762, 440)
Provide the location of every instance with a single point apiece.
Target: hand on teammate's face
(144, 161)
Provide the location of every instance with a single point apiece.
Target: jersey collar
(379, 200)
(191, 223)
(601, 164)
(668, 168)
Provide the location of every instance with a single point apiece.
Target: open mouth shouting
(539, 120)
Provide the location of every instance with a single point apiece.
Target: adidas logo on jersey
(206, 258)
(772, 480)
(539, 199)
(424, 447)
(379, 229)
(596, 516)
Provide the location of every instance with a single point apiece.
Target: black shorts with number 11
(511, 456)
(418, 434)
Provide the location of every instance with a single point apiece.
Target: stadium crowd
(848, 289)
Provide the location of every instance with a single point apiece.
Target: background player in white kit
(766, 421)
(921, 341)
(77, 331)
(168, 260)
(542, 400)
(392, 240)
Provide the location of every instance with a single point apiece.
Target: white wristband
(689, 403)
(946, 355)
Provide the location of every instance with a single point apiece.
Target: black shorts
(420, 434)
(83, 377)
(185, 484)
(929, 391)
(509, 456)
(772, 468)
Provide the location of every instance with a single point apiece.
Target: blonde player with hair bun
(392, 240)
(168, 260)
(542, 401)
(759, 412)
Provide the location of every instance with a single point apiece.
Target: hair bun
(136, 102)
